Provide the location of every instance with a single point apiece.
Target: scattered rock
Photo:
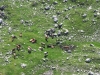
(48, 73)
(2, 7)
(53, 68)
(1, 27)
(22, 73)
(44, 59)
(1, 21)
(88, 60)
(47, 7)
(23, 65)
(55, 2)
(90, 73)
(95, 15)
(6, 59)
(84, 15)
(69, 51)
(55, 20)
(81, 31)
(67, 58)
(64, 0)
(34, 3)
(78, 70)
(92, 45)
(66, 17)
(55, 25)
(41, 48)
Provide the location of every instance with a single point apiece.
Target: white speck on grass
(89, 8)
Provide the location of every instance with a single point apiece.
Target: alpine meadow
(49, 37)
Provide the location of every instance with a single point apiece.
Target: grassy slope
(35, 66)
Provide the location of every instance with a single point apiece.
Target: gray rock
(78, 70)
(54, 16)
(23, 65)
(91, 45)
(2, 7)
(43, 1)
(95, 15)
(9, 30)
(1, 20)
(55, 25)
(69, 51)
(55, 2)
(41, 48)
(34, 3)
(66, 32)
(6, 59)
(22, 73)
(44, 59)
(90, 73)
(95, 11)
(88, 60)
(55, 20)
(64, 0)
(48, 73)
(53, 68)
(22, 21)
(97, 0)
(47, 7)
(84, 15)
(81, 31)
(1, 27)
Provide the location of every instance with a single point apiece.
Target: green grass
(65, 63)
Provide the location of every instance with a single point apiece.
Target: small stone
(91, 45)
(23, 65)
(55, 19)
(0, 27)
(67, 58)
(90, 73)
(53, 68)
(64, 0)
(1, 21)
(55, 2)
(22, 73)
(84, 15)
(81, 31)
(78, 70)
(55, 25)
(47, 7)
(88, 60)
(69, 51)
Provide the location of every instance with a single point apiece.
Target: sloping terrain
(66, 34)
